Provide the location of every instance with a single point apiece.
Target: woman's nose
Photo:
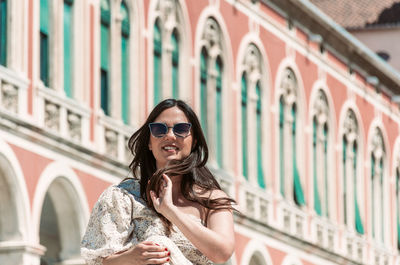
(170, 133)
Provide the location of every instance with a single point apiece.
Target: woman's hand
(143, 253)
(163, 202)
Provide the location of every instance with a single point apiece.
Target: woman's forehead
(172, 116)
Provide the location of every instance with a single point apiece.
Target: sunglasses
(158, 129)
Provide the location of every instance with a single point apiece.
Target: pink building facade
(302, 121)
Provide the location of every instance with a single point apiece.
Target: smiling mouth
(170, 148)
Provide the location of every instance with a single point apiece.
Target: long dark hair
(197, 179)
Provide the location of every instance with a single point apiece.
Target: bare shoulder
(211, 194)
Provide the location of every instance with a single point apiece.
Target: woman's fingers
(158, 261)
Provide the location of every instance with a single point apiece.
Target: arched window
(252, 160)
(298, 190)
(377, 193)
(44, 41)
(351, 211)
(157, 53)
(3, 32)
(105, 57)
(175, 64)
(203, 90)
(290, 176)
(218, 88)
(320, 154)
(282, 145)
(211, 89)
(260, 170)
(125, 95)
(68, 5)
(244, 127)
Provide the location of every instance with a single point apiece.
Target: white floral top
(121, 219)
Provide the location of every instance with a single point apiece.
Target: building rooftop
(361, 13)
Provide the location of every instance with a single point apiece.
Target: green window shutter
(317, 200)
(358, 221)
(326, 170)
(125, 93)
(44, 41)
(298, 190)
(203, 90)
(104, 57)
(281, 145)
(372, 195)
(3, 32)
(344, 156)
(244, 127)
(67, 48)
(157, 52)
(219, 69)
(175, 64)
(260, 171)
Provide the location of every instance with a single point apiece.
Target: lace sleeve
(109, 226)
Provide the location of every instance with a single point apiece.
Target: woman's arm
(216, 241)
(143, 253)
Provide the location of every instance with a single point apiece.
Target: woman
(173, 210)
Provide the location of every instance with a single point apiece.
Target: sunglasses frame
(168, 127)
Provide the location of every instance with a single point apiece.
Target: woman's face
(170, 147)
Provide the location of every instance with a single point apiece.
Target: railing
(380, 255)
(113, 136)
(325, 234)
(13, 93)
(354, 247)
(255, 203)
(62, 116)
(291, 219)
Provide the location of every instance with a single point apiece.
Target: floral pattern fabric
(121, 219)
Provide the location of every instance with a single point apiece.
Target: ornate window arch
(168, 36)
(350, 153)
(290, 182)
(321, 145)
(211, 85)
(377, 156)
(251, 105)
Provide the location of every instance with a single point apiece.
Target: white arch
(18, 180)
(185, 50)
(350, 104)
(227, 86)
(291, 260)
(266, 87)
(51, 173)
(256, 247)
(377, 123)
(290, 62)
(318, 85)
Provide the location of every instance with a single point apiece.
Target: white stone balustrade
(13, 93)
(255, 203)
(113, 136)
(291, 219)
(324, 233)
(62, 116)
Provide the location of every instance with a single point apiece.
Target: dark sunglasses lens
(182, 129)
(158, 129)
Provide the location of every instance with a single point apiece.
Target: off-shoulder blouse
(121, 219)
